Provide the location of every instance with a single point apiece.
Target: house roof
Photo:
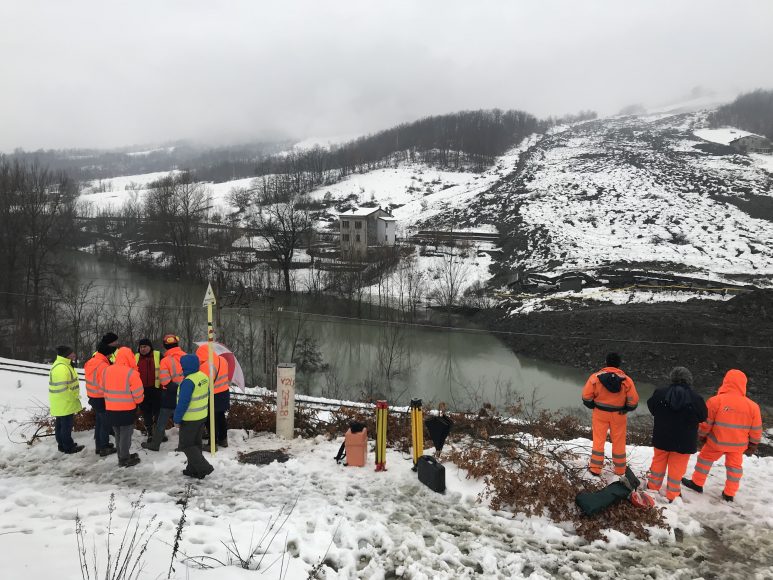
(387, 218)
(765, 139)
(359, 212)
(363, 212)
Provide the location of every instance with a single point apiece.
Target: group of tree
(466, 138)
(220, 163)
(37, 219)
(751, 112)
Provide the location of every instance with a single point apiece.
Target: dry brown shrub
(257, 416)
(85, 420)
(529, 476)
(260, 416)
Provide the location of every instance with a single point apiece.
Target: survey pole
(209, 302)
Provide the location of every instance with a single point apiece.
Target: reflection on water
(465, 368)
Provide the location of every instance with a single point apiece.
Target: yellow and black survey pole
(381, 435)
(417, 430)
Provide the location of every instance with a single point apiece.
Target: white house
(365, 227)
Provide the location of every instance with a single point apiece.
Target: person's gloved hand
(589, 404)
(751, 449)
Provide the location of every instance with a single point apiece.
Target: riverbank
(710, 333)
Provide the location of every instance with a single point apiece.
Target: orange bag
(356, 445)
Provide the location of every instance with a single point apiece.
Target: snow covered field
(354, 522)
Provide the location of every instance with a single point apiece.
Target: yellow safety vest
(198, 408)
(63, 388)
(156, 360)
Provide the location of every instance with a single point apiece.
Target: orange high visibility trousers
(615, 424)
(733, 467)
(671, 466)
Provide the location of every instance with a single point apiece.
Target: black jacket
(678, 410)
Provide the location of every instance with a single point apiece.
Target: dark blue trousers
(63, 432)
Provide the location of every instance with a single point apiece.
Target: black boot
(727, 497)
(693, 486)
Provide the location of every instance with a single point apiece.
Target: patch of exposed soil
(581, 338)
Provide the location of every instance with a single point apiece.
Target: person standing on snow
(94, 371)
(221, 389)
(611, 394)
(190, 414)
(170, 375)
(123, 393)
(733, 427)
(678, 410)
(148, 363)
(64, 398)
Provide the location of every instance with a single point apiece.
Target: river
(354, 358)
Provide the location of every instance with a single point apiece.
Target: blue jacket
(190, 364)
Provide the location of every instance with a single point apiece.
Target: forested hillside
(751, 111)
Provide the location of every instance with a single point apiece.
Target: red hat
(171, 339)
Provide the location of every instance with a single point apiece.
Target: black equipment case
(431, 473)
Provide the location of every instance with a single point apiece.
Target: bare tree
(176, 206)
(74, 302)
(450, 276)
(284, 224)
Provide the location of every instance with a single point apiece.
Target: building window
(357, 238)
(345, 224)
(358, 225)
(386, 238)
(345, 237)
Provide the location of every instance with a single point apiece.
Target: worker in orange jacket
(734, 427)
(94, 371)
(611, 394)
(170, 375)
(221, 389)
(123, 393)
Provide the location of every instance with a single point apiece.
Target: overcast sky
(109, 73)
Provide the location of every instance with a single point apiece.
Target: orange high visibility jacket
(170, 369)
(618, 393)
(123, 385)
(734, 420)
(220, 383)
(93, 371)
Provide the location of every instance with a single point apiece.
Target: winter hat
(105, 349)
(189, 364)
(145, 342)
(680, 376)
(64, 351)
(614, 360)
(110, 338)
(171, 341)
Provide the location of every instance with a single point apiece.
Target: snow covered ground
(353, 522)
(547, 302)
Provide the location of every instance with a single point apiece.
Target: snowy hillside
(351, 522)
(659, 192)
(635, 191)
